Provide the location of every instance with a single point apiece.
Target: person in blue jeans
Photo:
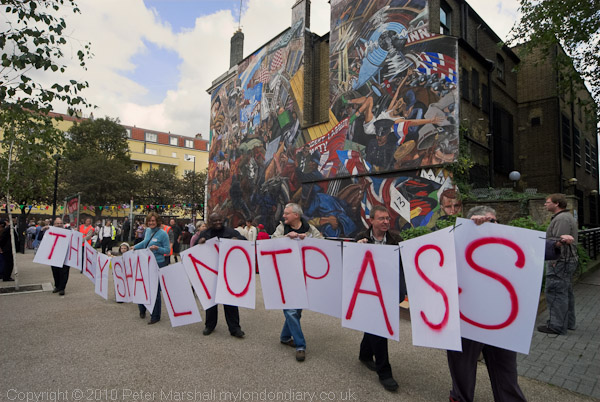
(157, 241)
(294, 227)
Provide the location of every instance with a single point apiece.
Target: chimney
(237, 48)
(301, 10)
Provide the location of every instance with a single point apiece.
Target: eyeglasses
(384, 218)
(494, 221)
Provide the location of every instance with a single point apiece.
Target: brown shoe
(300, 355)
(289, 343)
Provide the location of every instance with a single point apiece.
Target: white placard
(281, 273)
(371, 287)
(139, 262)
(322, 267)
(102, 268)
(178, 295)
(118, 269)
(153, 279)
(500, 272)
(235, 283)
(128, 263)
(430, 271)
(201, 264)
(89, 262)
(53, 247)
(75, 250)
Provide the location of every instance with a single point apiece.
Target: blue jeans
(292, 329)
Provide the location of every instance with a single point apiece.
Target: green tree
(192, 188)
(32, 39)
(96, 163)
(572, 24)
(159, 186)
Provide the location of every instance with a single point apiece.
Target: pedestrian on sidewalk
(559, 273)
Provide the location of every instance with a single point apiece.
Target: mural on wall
(393, 84)
(393, 122)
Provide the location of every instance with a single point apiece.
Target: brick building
(516, 117)
(509, 110)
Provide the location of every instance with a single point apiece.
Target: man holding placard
(374, 345)
(501, 363)
(294, 227)
(60, 274)
(232, 313)
(559, 288)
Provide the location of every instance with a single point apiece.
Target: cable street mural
(393, 124)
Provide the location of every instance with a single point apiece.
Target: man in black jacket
(7, 251)
(374, 345)
(232, 313)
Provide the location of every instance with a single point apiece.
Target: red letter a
(368, 260)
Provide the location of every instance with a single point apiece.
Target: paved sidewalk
(82, 347)
(571, 361)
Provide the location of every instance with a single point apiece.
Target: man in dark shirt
(374, 345)
(232, 314)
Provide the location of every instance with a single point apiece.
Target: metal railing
(590, 240)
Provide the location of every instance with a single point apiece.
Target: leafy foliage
(97, 163)
(32, 40)
(572, 24)
(158, 187)
(192, 188)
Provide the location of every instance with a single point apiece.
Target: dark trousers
(106, 244)
(9, 263)
(501, 365)
(61, 276)
(376, 346)
(232, 316)
(155, 315)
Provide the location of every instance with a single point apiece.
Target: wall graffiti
(393, 123)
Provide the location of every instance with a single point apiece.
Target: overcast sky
(154, 59)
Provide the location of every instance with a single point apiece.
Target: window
(485, 98)
(189, 143)
(151, 137)
(136, 167)
(503, 140)
(576, 147)
(128, 130)
(151, 151)
(464, 83)
(500, 67)
(173, 141)
(174, 154)
(536, 121)
(588, 157)
(445, 20)
(188, 157)
(475, 87)
(565, 127)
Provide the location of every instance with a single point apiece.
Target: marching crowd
(166, 242)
